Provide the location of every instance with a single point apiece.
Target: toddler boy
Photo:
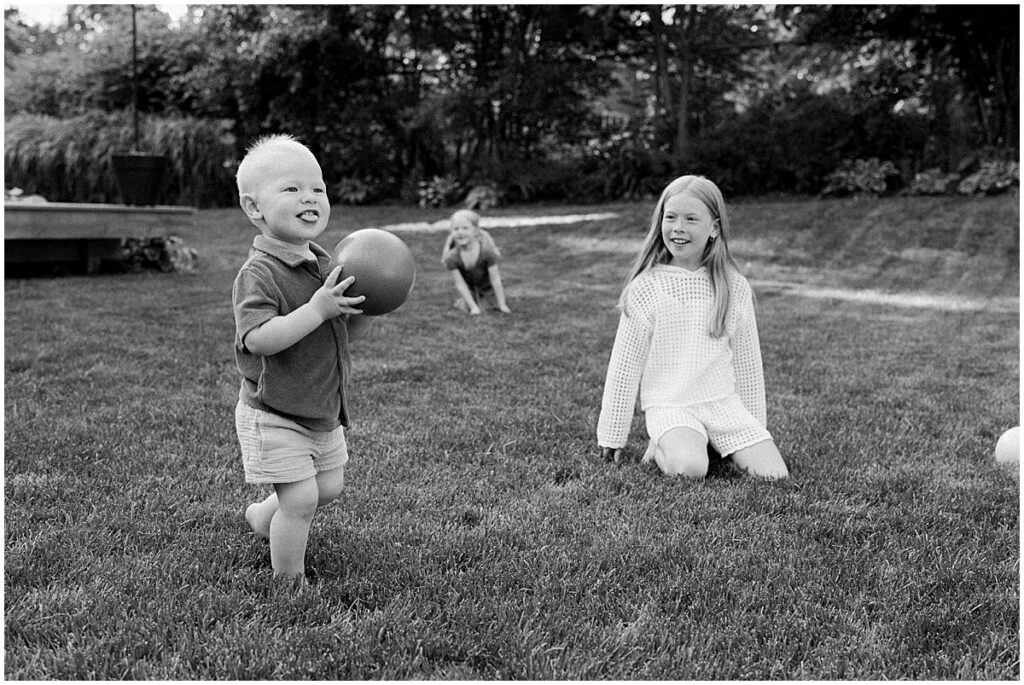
(293, 324)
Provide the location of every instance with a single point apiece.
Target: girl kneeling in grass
(472, 257)
(687, 338)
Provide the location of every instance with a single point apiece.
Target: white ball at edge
(1008, 447)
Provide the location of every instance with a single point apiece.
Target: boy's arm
(499, 288)
(281, 332)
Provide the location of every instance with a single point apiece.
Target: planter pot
(140, 178)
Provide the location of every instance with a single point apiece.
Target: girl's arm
(467, 297)
(629, 355)
(281, 332)
(447, 246)
(499, 288)
(747, 366)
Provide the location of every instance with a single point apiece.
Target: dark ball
(383, 266)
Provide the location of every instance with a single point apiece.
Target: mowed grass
(480, 536)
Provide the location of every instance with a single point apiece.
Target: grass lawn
(480, 536)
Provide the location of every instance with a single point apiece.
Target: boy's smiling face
(290, 201)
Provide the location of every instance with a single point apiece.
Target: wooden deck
(85, 234)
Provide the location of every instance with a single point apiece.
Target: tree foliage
(550, 101)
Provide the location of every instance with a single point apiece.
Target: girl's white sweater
(663, 346)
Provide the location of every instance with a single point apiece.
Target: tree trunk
(681, 144)
(663, 90)
(1004, 92)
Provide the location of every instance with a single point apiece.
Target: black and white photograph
(511, 342)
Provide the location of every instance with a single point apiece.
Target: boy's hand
(330, 300)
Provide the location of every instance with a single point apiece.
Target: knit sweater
(663, 347)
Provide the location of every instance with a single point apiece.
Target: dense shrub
(351, 191)
(993, 177)
(932, 181)
(440, 191)
(860, 177)
(534, 179)
(483, 196)
(782, 144)
(624, 167)
(164, 253)
(69, 160)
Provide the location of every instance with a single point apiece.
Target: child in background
(293, 324)
(687, 338)
(472, 257)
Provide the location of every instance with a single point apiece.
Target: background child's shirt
(664, 347)
(305, 382)
(475, 275)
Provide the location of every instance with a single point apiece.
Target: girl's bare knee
(685, 468)
(762, 460)
(682, 452)
(685, 464)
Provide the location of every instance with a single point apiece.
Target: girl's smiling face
(686, 227)
(463, 231)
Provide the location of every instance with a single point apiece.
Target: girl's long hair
(716, 257)
(486, 242)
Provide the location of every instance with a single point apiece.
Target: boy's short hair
(263, 150)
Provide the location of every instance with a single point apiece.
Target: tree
(514, 77)
(978, 46)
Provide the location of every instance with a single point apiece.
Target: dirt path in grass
(917, 300)
(950, 303)
(502, 222)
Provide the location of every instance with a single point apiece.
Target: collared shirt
(305, 382)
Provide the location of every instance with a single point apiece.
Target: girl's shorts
(726, 424)
(278, 450)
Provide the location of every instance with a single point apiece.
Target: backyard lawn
(480, 536)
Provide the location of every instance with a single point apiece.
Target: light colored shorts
(726, 424)
(278, 450)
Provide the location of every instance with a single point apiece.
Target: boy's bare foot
(259, 523)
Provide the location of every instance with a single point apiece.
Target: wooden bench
(85, 234)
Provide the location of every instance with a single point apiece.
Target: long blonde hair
(486, 242)
(716, 257)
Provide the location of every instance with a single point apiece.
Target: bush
(440, 191)
(483, 196)
(69, 160)
(862, 176)
(623, 168)
(993, 177)
(351, 191)
(787, 142)
(931, 182)
(164, 254)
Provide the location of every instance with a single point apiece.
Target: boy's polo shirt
(305, 382)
